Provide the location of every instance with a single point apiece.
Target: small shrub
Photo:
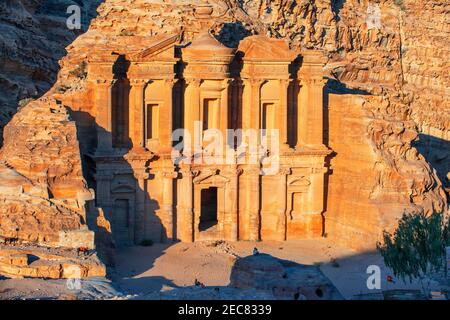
(417, 247)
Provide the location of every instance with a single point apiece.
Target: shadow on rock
(284, 279)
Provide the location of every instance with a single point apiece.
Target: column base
(307, 226)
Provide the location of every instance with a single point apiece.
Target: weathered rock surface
(395, 51)
(33, 37)
(43, 192)
(284, 279)
(36, 262)
(377, 174)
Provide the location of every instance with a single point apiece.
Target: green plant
(146, 243)
(417, 247)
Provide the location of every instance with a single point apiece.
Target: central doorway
(208, 211)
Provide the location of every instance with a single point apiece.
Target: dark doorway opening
(208, 213)
(121, 223)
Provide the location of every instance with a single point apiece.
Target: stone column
(185, 223)
(137, 113)
(167, 202)
(231, 203)
(282, 209)
(103, 191)
(310, 115)
(253, 202)
(314, 136)
(251, 104)
(103, 115)
(192, 109)
(140, 219)
(283, 114)
(224, 111)
(165, 118)
(316, 195)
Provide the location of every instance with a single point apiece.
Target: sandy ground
(142, 270)
(159, 268)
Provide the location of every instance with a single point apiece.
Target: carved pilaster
(103, 114)
(192, 113)
(137, 112)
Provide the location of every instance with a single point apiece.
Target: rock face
(33, 37)
(284, 279)
(394, 50)
(35, 262)
(43, 192)
(372, 141)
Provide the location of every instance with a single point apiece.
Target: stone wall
(43, 192)
(376, 174)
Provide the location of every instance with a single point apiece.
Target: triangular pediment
(266, 49)
(161, 48)
(124, 188)
(212, 178)
(299, 182)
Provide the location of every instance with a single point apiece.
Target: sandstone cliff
(394, 50)
(43, 192)
(33, 37)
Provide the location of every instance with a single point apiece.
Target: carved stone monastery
(141, 95)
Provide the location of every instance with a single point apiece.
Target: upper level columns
(103, 114)
(101, 79)
(310, 113)
(283, 113)
(165, 117)
(137, 113)
(251, 101)
(192, 114)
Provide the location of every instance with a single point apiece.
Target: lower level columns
(282, 209)
(185, 213)
(167, 214)
(253, 182)
(140, 217)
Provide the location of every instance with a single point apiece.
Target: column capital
(170, 82)
(313, 81)
(169, 174)
(226, 83)
(321, 170)
(284, 171)
(104, 82)
(141, 174)
(285, 82)
(138, 82)
(193, 81)
(254, 82)
(188, 172)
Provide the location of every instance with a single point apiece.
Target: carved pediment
(262, 48)
(212, 177)
(161, 49)
(299, 182)
(123, 188)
